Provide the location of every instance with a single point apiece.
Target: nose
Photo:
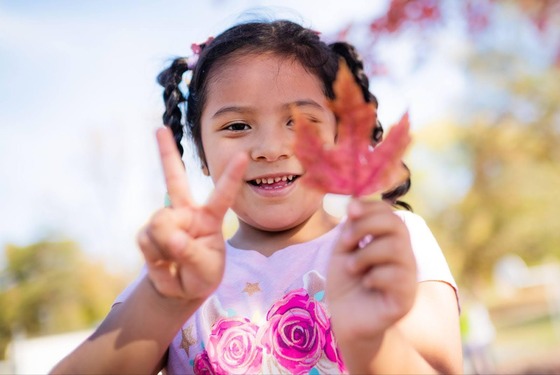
(273, 143)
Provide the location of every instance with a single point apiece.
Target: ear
(205, 170)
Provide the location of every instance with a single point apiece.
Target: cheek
(209, 158)
(215, 163)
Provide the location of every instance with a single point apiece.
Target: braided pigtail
(356, 65)
(170, 79)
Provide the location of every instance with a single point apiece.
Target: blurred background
(79, 172)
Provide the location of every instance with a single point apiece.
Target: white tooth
(277, 179)
(270, 180)
(284, 178)
(258, 181)
(290, 177)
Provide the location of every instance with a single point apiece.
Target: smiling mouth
(274, 182)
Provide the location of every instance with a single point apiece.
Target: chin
(272, 223)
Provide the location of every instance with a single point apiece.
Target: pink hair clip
(196, 49)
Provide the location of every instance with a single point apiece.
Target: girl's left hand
(370, 286)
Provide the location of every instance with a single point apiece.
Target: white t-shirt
(269, 314)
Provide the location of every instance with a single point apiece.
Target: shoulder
(411, 219)
(430, 259)
(421, 236)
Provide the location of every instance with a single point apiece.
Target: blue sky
(79, 106)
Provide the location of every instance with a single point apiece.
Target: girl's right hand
(183, 245)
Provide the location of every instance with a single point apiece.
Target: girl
(294, 290)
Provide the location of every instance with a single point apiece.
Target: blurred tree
(511, 205)
(51, 287)
(504, 136)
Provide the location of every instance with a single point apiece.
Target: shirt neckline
(230, 249)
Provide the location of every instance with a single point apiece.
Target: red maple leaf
(352, 166)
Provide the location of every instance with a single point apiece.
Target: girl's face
(248, 110)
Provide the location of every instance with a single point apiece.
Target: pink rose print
(202, 365)
(295, 331)
(233, 348)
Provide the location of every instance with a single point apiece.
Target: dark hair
(280, 37)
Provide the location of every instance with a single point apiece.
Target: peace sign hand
(183, 245)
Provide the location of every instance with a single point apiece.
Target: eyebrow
(304, 103)
(241, 110)
(230, 109)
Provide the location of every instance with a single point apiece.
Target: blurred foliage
(504, 137)
(511, 205)
(51, 287)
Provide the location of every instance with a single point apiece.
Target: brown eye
(237, 126)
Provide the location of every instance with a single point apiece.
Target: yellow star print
(251, 288)
(188, 340)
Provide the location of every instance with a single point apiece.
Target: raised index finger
(173, 169)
